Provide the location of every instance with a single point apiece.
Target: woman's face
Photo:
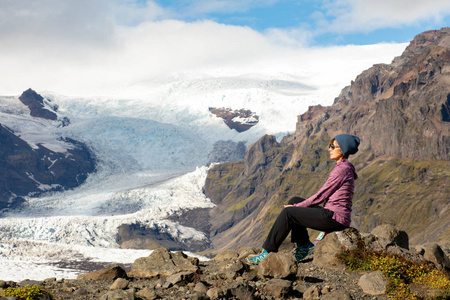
(335, 152)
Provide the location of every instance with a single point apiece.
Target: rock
(239, 291)
(247, 251)
(278, 288)
(226, 254)
(164, 263)
(147, 294)
(199, 296)
(336, 295)
(434, 253)
(373, 283)
(240, 120)
(201, 287)
(109, 273)
(81, 292)
(181, 278)
(35, 103)
(215, 293)
(230, 269)
(312, 293)
(278, 265)
(119, 284)
(3, 284)
(28, 282)
(118, 295)
(326, 250)
(388, 235)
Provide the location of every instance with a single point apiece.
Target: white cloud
(366, 15)
(90, 47)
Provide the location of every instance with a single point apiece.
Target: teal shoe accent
(303, 251)
(254, 260)
(319, 237)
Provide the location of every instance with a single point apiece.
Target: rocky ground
(174, 275)
(309, 282)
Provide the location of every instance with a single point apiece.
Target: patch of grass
(30, 292)
(399, 271)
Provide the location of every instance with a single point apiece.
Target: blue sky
(368, 21)
(93, 46)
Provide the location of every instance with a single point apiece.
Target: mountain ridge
(400, 112)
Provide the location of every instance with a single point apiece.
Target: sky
(93, 47)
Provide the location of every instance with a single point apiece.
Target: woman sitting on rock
(336, 195)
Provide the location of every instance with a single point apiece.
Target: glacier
(152, 149)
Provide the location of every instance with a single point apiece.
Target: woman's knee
(295, 200)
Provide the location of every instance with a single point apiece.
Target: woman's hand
(288, 205)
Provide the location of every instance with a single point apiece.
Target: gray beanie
(348, 143)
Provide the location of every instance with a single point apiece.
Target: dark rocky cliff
(27, 171)
(401, 113)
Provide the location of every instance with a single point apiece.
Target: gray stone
(109, 273)
(215, 293)
(226, 254)
(247, 251)
(119, 284)
(312, 293)
(278, 265)
(181, 278)
(434, 253)
(230, 268)
(199, 296)
(278, 288)
(28, 282)
(325, 252)
(336, 295)
(118, 295)
(373, 283)
(388, 235)
(200, 287)
(147, 294)
(163, 263)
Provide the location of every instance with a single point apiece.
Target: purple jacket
(336, 193)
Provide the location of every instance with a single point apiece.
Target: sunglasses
(332, 146)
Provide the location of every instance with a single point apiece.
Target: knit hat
(348, 143)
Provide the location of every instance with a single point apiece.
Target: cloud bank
(98, 47)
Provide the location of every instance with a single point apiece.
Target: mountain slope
(401, 113)
(28, 167)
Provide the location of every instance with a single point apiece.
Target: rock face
(35, 103)
(239, 120)
(401, 113)
(27, 171)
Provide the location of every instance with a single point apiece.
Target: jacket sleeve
(332, 184)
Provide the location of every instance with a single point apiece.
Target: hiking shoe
(319, 237)
(303, 251)
(254, 260)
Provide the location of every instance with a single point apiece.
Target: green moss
(31, 292)
(399, 271)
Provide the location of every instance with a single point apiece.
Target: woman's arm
(332, 184)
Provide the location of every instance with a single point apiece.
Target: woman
(336, 195)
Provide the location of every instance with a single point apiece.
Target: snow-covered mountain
(151, 151)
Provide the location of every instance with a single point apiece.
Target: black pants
(296, 220)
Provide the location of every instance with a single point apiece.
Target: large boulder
(434, 253)
(278, 265)
(373, 283)
(326, 250)
(388, 235)
(163, 263)
(109, 273)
